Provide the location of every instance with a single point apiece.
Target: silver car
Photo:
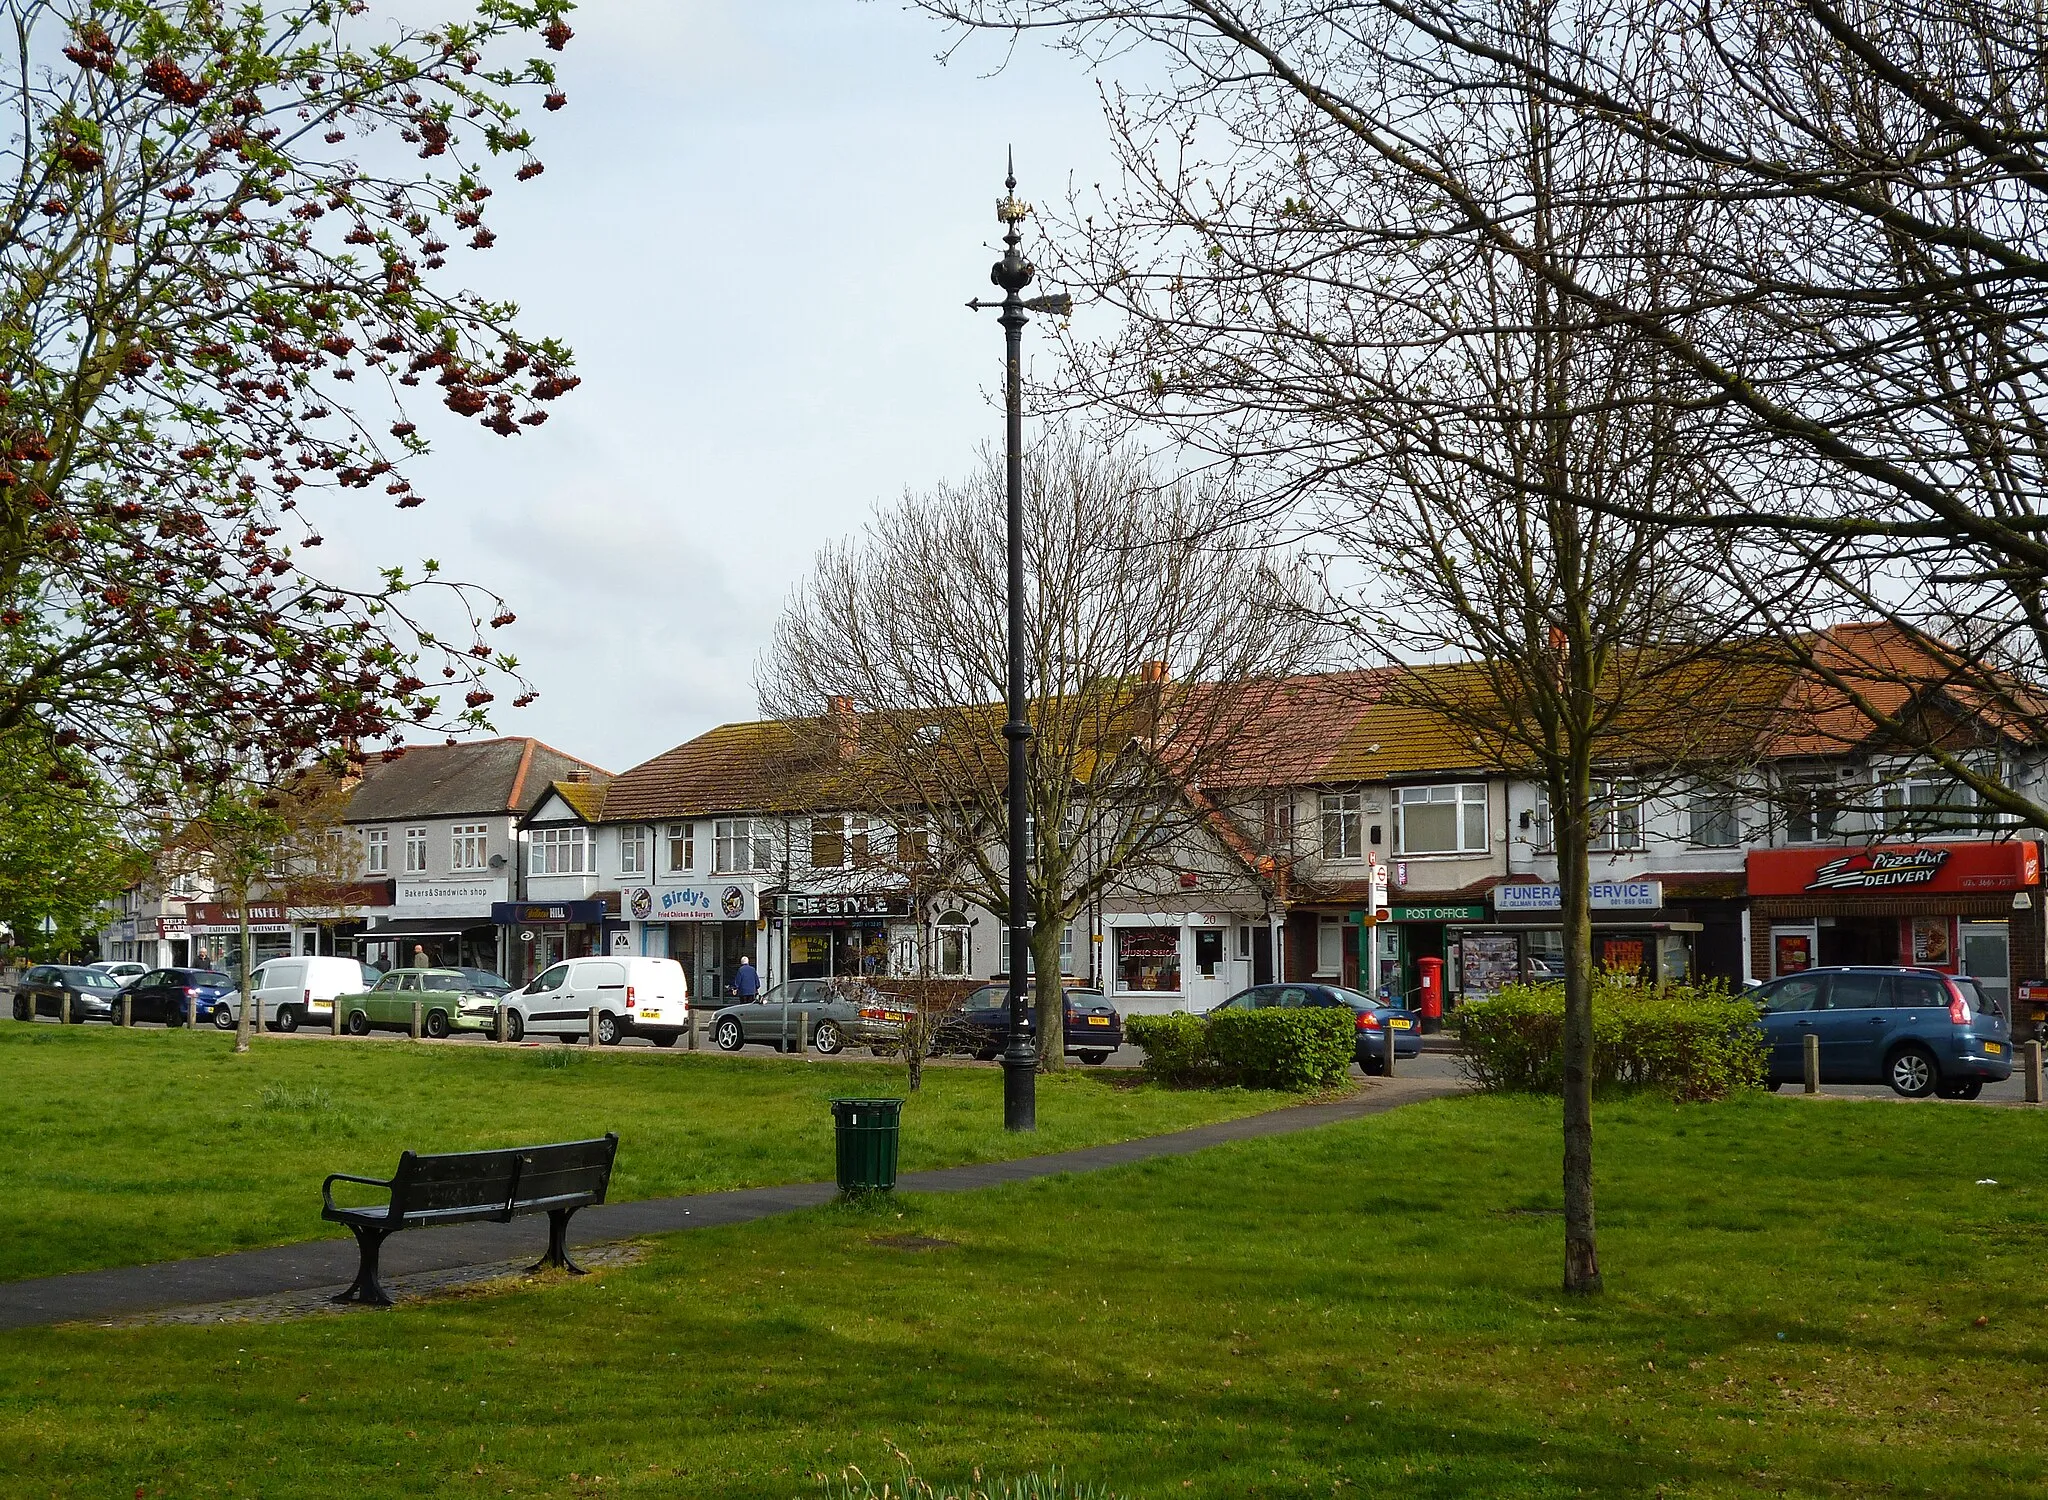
(842, 1012)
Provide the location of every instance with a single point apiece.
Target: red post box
(1431, 971)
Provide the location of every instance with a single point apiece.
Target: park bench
(471, 1186)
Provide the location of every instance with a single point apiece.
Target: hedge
(1300, 1050)
(1695, 1042)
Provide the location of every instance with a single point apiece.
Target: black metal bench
(471, 1186)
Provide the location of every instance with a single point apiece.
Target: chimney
(1152, 672)
(845, 726)
(577, 775)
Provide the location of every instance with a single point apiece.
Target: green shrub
(1268, 1049)
(1693, 1041)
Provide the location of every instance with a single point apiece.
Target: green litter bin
(867, 1131)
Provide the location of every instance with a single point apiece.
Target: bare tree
(1156, 634)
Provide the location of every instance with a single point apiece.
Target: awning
(407, 927)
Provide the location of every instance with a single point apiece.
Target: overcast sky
(758, 226)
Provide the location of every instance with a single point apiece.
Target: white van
(300, 991)
(633, 997)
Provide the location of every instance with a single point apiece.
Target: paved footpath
(123, 1292)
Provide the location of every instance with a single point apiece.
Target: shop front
(215, 932)
(1167, 961)
(836, 936)
(706, 927)
(441, 923)
(1969, 908)
(1523, 940)
(541, 933)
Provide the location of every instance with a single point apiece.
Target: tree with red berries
(226, 236)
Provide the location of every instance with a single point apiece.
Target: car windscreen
(91, 979)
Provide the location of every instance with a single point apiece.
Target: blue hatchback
(1372, 1021)
(1919, 1030)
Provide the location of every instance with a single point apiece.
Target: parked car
(842, 1013)
(300, 990)
(95, 996)
(449, 1001)
(633, 996)
(1373, 1021)
(1919, 1030)
(1091, 1027)
(124, 971)
(163, 995)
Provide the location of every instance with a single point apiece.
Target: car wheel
(358, 1023)
(1967, 1088)
(727, 1034)
(223, 1018)
(515, 1026)
(609, 1032)
(437, 1024)
(827, 1038)
(21, 1010)
(288, 1018)
(665, 1039)
(1775, 1084)
(1372, 1066)
(1913, 1073)
(1095, 1059)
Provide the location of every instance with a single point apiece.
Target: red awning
(1884, 869)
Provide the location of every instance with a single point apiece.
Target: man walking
(746, 983)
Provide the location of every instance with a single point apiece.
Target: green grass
(1794, 1306)
(124, 1147)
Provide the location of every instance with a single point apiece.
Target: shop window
(680, 840)
(1330, 947)
(1343, 828)
(1711, 816)
(1440, 819)
(1546, 954)
(1617, 817)
(559, 851)
(956, 945)
(1148, 960)
(632, 851)
(415, 851)
(377, 851)
(1812, 806)
(468, 846)
(742, 846)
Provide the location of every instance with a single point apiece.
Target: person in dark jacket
(746, 983)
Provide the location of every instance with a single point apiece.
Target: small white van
(632, 996)
(300, 991)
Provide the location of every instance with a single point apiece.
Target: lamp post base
(1020, 1089)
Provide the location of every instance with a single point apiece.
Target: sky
(758, 227)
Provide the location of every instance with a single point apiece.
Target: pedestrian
(419, 956)
(746, 983)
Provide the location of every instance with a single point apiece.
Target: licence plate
(1400, 1025)
(1994, 1047)
(1098, 1020)
(892, 1015)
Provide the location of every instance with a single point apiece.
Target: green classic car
(449, 1000)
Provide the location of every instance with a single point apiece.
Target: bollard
(335, 1006)
(1812, 1043)
(593, 1026)
(693, 1028)
(782, 1037)
(803, 1034)
(1387, 1062)
(2033, 1066)
(416, 1020)
(501, 1023)
(127, 1010)
(64, 1009)
(191, 1010)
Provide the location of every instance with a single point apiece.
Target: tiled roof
(474, 777)
(733, 768)
(584, 798)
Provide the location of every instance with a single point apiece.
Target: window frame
(634, 849)
(558, 849)
(376, 851)
(679, 839)
(1608, 797)
(1345, 813)
(469, 847)
(1459, 803)
(416, 850)
(1729, 800)
(752, 836)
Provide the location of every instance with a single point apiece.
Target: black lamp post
(1013, 273)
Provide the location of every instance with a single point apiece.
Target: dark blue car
(1919, 1030)
(1373, 1021)
(166, 995)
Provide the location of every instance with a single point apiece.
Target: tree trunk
(1051, 1011)
(242, 1030)
(1581, 1257)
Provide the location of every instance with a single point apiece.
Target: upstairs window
(1711, 816)
(1812, 805)
(1343, 833)
(377, 851)
(1440, 819)
(1617, 817)
(468, 846)
(680, 840)
(1924, 800)
(1276, 821)
(632, 851)
(559, 851)
(839, 842)
(415, 851)
(743, 846)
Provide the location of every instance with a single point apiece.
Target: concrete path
(122, 1292)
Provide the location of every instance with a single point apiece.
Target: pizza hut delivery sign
(1879, 868)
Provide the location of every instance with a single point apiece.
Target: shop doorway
(1859, 940)
(1987, 958)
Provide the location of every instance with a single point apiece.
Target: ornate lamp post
(1013, 273)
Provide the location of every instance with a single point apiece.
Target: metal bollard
(335, 1020)
(127, 1010)
(416, 1020)
(64, 1009)
(693, 1028)
(2033, 1067)
(191, 1010)
(1812, 1044)
(593, 1026)
(803, 1034)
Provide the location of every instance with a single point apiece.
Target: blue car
(166, 995)
(1373, 1021)
(1919, 1030)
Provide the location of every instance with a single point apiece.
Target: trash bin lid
(843, 1108)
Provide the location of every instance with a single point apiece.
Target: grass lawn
(1806, 1299)
(123, 1147)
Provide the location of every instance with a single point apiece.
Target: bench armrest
(327, 1187)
